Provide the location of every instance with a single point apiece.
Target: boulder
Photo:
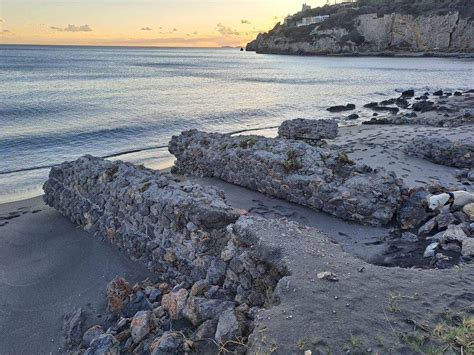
(309, 131)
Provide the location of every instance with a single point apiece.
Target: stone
(430, 250)
(199, 287)
(444, 219)
(428, 226)
(341, 108)
(228, 327)
(118, 293)
(327, 275)
(174, 303)
(468, 247)
(469, 211)
(168, 343)
(140, 326)
(200, 309)
(90, 334)
(412, 212)
(352, 116)
(409, 237)
(309, 131)
(206, 330)
(216, 272)
(72, 328)
(138, 302)
(438, 93)
(104, 344)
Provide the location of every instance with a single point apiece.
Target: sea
(61, 102)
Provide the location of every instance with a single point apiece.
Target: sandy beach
(49, 266)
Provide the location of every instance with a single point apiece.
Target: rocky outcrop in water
(372, 34)
(318, 178)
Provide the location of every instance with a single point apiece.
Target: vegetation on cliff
(346, 17)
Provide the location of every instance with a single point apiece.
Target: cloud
(146, 28)
(6, 31)
(175, 30)
(73, 28)
(245, 22)
(226, 31)
(1, 20)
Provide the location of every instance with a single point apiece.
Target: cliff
(350, 32)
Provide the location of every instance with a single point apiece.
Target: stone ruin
(459, 154)
(214, 278)
(322, 179)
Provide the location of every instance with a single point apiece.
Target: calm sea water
(58, 103)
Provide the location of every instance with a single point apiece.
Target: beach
(50, 266)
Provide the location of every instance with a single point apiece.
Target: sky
(169, 23)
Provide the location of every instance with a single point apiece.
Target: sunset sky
(199, 23)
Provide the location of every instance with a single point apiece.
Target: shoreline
(401, 54)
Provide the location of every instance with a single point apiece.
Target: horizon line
(116, 46)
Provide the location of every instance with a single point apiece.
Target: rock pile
(216, 311)
(443, 151)
(309, 131)
(311, 176)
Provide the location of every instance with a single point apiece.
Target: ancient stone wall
(319, 178)
(214, 270)
(172, 227)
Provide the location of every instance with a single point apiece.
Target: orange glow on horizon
(161, 23)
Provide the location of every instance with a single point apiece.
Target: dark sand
(48, 267)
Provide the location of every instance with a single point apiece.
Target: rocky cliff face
(370, 33)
